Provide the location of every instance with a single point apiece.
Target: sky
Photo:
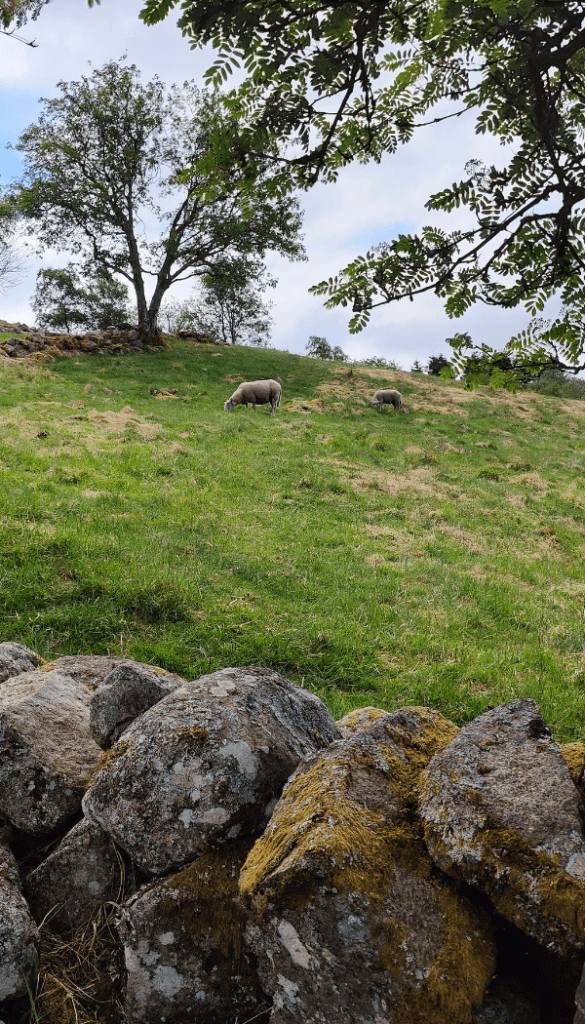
(368, 203)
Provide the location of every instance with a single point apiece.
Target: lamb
(258, 392)
(387, 396)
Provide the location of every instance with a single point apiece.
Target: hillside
(433, 558)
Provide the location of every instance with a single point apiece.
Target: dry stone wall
(44, 346)
(259, 861)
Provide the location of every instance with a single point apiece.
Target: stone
(76, 879)
(359, 718)
(89, 669)
(501, 812)
(128, 691)
(579, 1017)
(183, 949)
(354, 923)
(205, 765)
(506, 1003)
(47, 754)
(19, 938)
(15, 659)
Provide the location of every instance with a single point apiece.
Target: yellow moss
(320, 830)
(318, 818)
(207, 892)
(514, 866)
(462, 970)
(195, 733)
(574, 755)
(119, 748)
(360, 718)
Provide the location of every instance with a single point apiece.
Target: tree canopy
(109, 159)
(232, 307)
(352, 81)
(66, 300)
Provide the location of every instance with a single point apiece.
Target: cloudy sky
(368, 204)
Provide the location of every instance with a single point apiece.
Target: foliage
(15, 13)
(371, 558)
(12, 263)
(99, 154)
(417, 367)
(66, 301)
(557, 384)
(231, 306)
(347, 81)
(436, 364)
(319, 348)
(379, 363)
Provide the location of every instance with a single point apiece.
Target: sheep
(258, 392)
(387, 396)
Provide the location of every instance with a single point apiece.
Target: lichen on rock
(501, 813)
(183, 947)
(354, 922)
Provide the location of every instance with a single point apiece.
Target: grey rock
(19, 938)
(89, 669)
(127, 692)
(76, 879)
(506, 1003)
(501, 812)
(47, 754)
(354, 923)
(205, 765)
(579, 1017)
(15, 659)
(182, 941)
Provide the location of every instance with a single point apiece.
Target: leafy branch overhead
(341, 82)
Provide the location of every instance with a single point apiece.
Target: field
(431, 558)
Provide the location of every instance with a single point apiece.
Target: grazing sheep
(387, 396)
(258, 392)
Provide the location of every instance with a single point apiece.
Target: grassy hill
(428, 558)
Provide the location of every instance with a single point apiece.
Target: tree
(12, 263)
(103, 149)
(436, 364)
(354, 80)
(319, 348)
(65, 301)
(17, 12)
(231, 306)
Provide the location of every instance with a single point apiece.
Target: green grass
(433, 558)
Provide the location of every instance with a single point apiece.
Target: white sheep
(387, 396)
(258, 392)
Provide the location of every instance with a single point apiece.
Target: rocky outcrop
(15, 659)
(183, 947)
(19, 939)
(47, 754)
(127, 692)
(355, 924)
(205, 765)
(76, 879)
(292, 870)
(501, 812)
(39, 345)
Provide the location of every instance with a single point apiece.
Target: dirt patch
(466, 538)
(419, 479)
(530, 480)
(308, 406)
(118, 422)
